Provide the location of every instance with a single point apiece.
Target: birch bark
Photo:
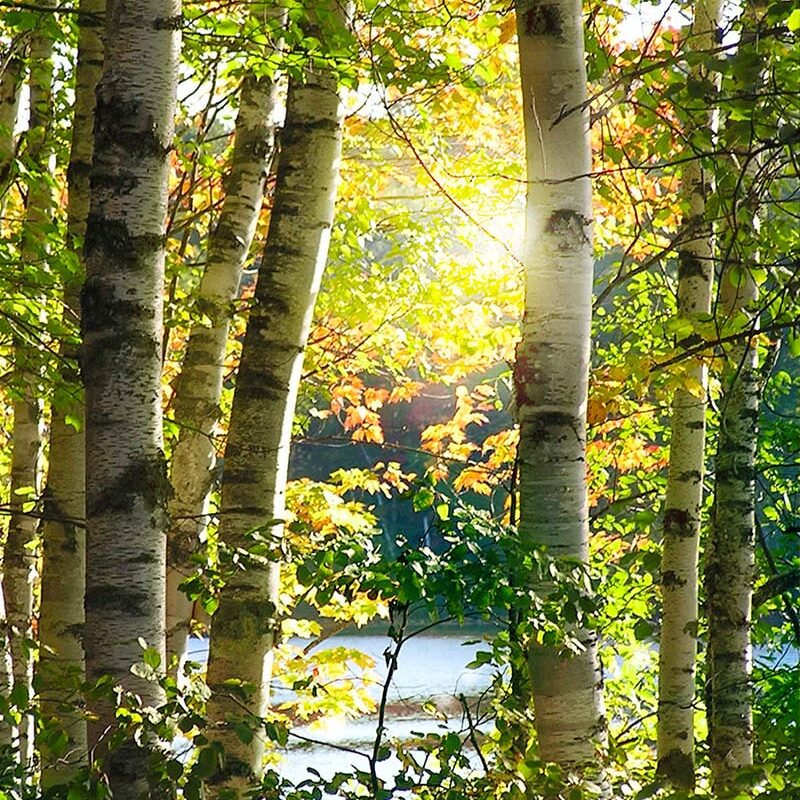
(684, 493)
(551, 372)
(200, 384)
(126, 482)
(20, 557)
(730, 558)
(61, 659)
(10, 86)
(245, 626)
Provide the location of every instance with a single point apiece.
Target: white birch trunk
(245, 626)
(126, 481)
(730, 556)
(10, 89)
(20, 557)
(61, 660)
(730, 560)
(200, 384)
(551, 372)
(684, 493)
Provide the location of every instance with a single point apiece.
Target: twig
(472, 737)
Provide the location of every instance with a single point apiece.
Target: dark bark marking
(145, 478)
(549, 426)
(119, 124)
(671, 580)
(678, 767)
(677, 522)
(543, 19)
(524, 373)
(690, 266)
(112, 237)
(116, 598)
(242, 617)
(173, 23)
(569, 224)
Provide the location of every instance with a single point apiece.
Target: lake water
(430, 668)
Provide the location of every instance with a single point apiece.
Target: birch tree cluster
(462, 317)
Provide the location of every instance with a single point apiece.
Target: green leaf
(151, 657)
(793, 20)
(423, 498)
(174, 769)
(642, 629)
(19, 695)
(207, 762)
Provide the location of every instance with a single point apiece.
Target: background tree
(19, 558)
(61, 660)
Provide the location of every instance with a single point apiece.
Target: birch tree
(730, 559)
(551, 370)
(10, 85)
(11, 78)
(19, 560)
(684, 493)
(61, 660)
(246, 624)
(126, 482)
(730, 556)
(200, 384)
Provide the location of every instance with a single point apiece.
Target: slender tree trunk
(551, 372)
(730, 558)
(200, 384)
(10, 87)
(61, 660)
(684, 494)
(126, 481)
(245, 626)
(19, 568)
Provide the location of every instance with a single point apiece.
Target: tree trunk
(245, 626)
(551, 372)
(19, 563)
(684, 493)
(126, 482)
(61, 661)
(730, 558)
(199, 387)
(10, 88)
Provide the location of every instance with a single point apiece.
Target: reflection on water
(430, 668)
